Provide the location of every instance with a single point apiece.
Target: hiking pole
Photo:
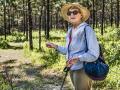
(66, 69)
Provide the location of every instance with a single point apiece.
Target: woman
(76, 50)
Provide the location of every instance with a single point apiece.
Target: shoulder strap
(70, 39)
(86, 38)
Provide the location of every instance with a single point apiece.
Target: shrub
(17, 36)
(4, 44)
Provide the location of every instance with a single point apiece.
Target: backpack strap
(70, 39)
(86, 38)
(100, 47)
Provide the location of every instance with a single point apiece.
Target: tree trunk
(96, 15)
(35, 23)
(40, 23)
(48, 20)
(93, 16)
(40, 32)
(26, 22)
(30, 24)
(51, 18)
(13, 17)
(57, 20)
(51, 22)
(118, 18)
(44, 18)
(111, 19)
(102, 23)
(9, 26)
(24, 17)
(5, 19)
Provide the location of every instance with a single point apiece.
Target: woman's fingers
(51, 45)
(72, 61)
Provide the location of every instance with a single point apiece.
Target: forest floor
(25, 75)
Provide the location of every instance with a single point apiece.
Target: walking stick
(66, 69)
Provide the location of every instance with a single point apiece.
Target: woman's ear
(81, 17)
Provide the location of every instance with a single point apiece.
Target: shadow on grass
(30, 71)
(34, 79)
(33, 71)
(9, 61)
(24, 85)
(55, 38)
(15, 47)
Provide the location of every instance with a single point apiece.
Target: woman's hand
(51, 45)
(72, 61)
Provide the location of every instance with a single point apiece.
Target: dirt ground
(25, 75)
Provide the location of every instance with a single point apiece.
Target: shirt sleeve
(62, 49)
(93, 46)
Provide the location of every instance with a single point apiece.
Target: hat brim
(84, 11)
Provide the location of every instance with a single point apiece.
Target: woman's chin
(73, 22)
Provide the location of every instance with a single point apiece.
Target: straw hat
(84, 11)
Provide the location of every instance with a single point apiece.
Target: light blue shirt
(78, 46)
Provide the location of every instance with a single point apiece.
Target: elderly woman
(75, 49)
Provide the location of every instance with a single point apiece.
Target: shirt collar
(81, 24)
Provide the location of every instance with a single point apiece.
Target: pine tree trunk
(24, 16)
(111, 19)
(40, 32)
(118, 12)
(30, 24)
(40, 27)
(57, 20)
(9, 26)
(35, 23)
(5, 19)
(102, 23)
(26, 22)
(93, 16)
(44, 18)
(48, 19)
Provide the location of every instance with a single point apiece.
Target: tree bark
(111, 19)
(30, 24)
(5, 19)
(26, 22)
(48, 20)
(24, 29)
(40, 27)
(93, 16)
(9, 26)
(102, 23)
(118, 12)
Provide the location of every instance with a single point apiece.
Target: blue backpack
(98, 69)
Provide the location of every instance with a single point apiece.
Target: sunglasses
(72, 12)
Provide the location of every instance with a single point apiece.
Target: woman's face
(74, 16)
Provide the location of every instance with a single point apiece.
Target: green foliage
(111, 45)
(46, 57)
(17, 37)
(114, 78)
(3, 84)
(3, 43)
